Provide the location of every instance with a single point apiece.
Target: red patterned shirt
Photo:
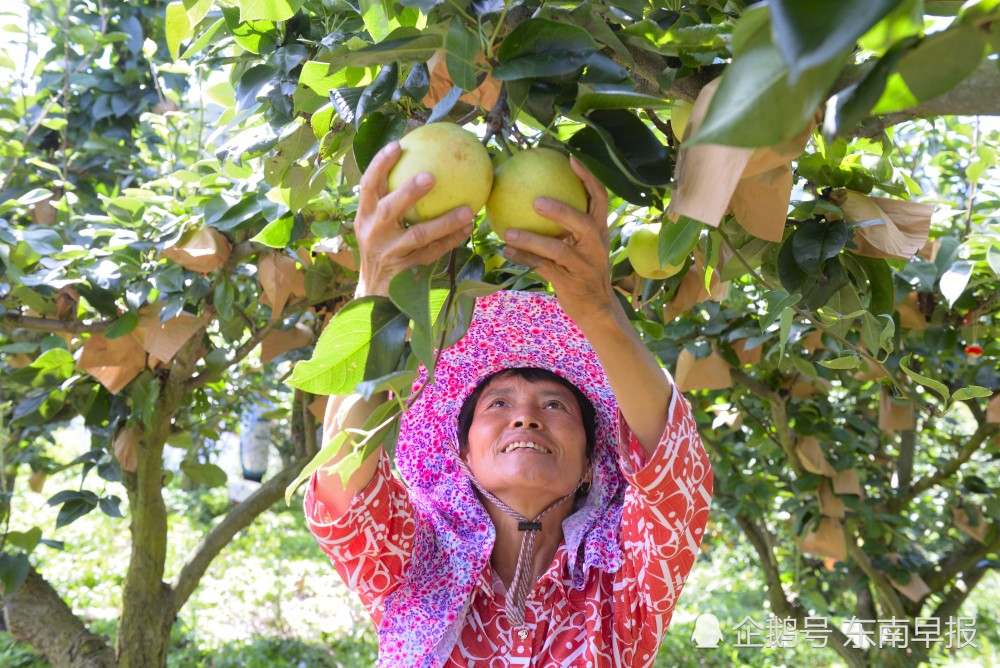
(617, 619)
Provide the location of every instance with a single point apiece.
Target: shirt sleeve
(371, 543)
(663, 523)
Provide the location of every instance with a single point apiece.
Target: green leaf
(784, 329)
(58, 361)
(888, 332)
(934, 66)
(756, 104)
(905, 21)
(677, 240)
(178, 28)
(276, 234)
(258, 37)
(267, 10)
(846, 109)
(929, 383)
(128, 210)
(377, 130)
(848, 361)
(122, 326)
(539, 48)
(971, 392)
(364, 340)
(633, 146)
(777, 301)
(461, 47)
(111, 505)
(25, 540)
(591, 149)
(197, 10)
(208, 475)
(993, 259)
(398, 382)
(811, 34)
(880, 284)
(955, 279)
(402, 44)
(591, 100)
(376, 16)
(13, 571)
(378, 92)
(815, 242)
(74, 505)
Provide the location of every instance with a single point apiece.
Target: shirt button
(522, 634)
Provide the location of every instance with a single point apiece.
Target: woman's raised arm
(386, 248)
(577, 267)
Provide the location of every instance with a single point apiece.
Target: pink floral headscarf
(424, 616)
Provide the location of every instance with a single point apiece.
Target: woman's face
(527, 443)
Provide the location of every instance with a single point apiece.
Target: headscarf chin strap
(520, 586)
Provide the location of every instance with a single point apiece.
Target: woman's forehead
(509, 383)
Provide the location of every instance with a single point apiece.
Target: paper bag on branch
(813, 341)
(893, 416)
(707, 373)
(993, 410)
(893, 228)
(930, 250)
(806, 387)
(747, 355)
(829, 503)
(847, 482)
(753, 184)
(113, 362)
(281, 280)
(202, 250)
(485, 95)
(910, 314)
(126, 446)
(961, 519)
(915, 588)
(826, 539)
(280, 341)
(163, 340)
(812, 457)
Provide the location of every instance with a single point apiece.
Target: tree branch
(763, 542)
(235, 521)
(38, 616)
(954, 599)
(15, 319)
(980, 436)
(963, 558)
(887, 596)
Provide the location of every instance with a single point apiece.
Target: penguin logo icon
(707, 632)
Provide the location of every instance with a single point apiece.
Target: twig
(17, 319)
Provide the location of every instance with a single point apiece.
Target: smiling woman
(556, 490)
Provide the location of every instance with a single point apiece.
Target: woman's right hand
(386, 245)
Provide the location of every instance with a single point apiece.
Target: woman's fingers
(428, 241)
(393, 206)
(556, 251)
(373, 186)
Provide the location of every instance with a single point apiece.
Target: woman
(557, 490)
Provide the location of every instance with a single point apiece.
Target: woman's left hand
(576, 264)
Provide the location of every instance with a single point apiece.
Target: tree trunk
(144, 628)
(37, 615)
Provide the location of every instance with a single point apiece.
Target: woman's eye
(553, 403)
(498, 402)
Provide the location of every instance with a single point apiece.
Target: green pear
(643, 253)
(463, 173)
(521, 179)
